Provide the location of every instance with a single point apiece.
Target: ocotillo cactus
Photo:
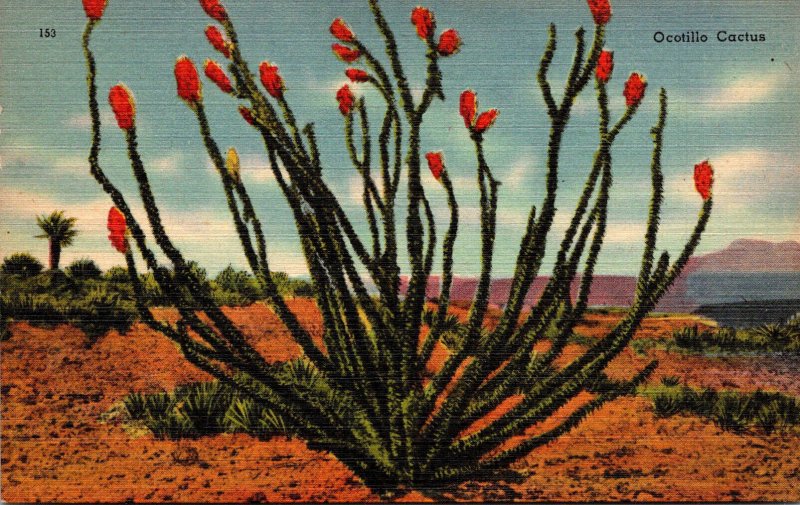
(374, 407)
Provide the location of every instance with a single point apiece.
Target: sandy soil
(56, 448)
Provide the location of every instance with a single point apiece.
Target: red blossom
(605, 66)
(345, 54)
(94, 8)
(247, 114)
(189, 87)
(634, 89)
(214, 9)
(449, 43)
(356, 75)
(486, 120)
(271, 79)
(703, 179)
(216, 74)
(601, 11)
(435, 164)
(346, 100)
(468, 107)
(341, 31)
(423, 19)
(117, 226)
(121, 100)
(218, 41)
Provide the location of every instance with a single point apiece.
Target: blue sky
(736, 104)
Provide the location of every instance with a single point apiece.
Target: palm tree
(59, 230)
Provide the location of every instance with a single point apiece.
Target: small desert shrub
(670, 380)
(117, 275)
(100, 311)
(84, 268)
(765, 338)
(689, 337)
(22, 264)
(206, 408)
(730, 410)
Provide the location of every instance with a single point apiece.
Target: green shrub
(117, 275)
(765, 338)
(84, 268)
(669, 401)
(670, 380)
(240, 282)
(100, 311)
(205, 405)
(730, 410)
(22, 264)
(206, 408)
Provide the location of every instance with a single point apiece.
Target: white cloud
(84, 121)
(746, 90)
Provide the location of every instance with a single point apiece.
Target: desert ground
(58, 443)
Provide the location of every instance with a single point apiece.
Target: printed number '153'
(47, 33)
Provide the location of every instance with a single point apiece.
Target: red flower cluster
(188, 82)
(345, 54)
(468, 108)
(218, 41)
(435, 164)
(271, 79)
(121, 100)
(215, 73)
(346, 100)
(449, 43)
(117, 226)
(423, 19)
(601, 11)
(341, 31)
(703, 179)
(214, 9)
(356, 75)
(247, 114)
(634, 89)
(605, 66)
(94, 8)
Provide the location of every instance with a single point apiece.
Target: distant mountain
(749, 255)
(746, 270)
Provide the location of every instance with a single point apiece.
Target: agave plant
(370, 402)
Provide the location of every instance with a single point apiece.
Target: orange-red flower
(468, 107)
(423, 19)
(216, 74)
(449, 43)
(341, 31)
(189, 87)
(345, 54)
(117, 226)
(94, 8)
(601, 11)
(605, 66)
(346, 100)
(271, 79)
(634, 89)
(435, 164)
(214, 10)
(218, 41)
(703, 179)
(247, 114)
(486, 120)
(356, 75)
(121, 100)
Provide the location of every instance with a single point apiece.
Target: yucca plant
(370, 403)
(59, 231)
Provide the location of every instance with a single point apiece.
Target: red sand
(55, 447)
